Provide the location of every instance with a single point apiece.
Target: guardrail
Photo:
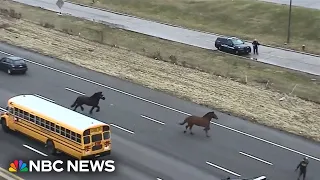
(8, 175)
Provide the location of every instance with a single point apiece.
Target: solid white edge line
(33, 149)
(121, 128)
(266, 141)
(42, 97)
(258, 159)
(151, 119)
(72, 90)
(164, 106)
(223, 169)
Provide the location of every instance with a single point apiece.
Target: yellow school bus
(59, 128)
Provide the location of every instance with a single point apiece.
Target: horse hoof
(208, 136)
(184, 131)
(191, 133)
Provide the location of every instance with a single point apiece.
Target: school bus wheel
(4, 125)
(50, 147)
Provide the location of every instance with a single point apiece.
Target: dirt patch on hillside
(263, 106)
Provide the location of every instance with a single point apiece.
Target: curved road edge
(4, 174)
(178, 26)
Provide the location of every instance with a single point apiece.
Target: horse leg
(98, 108)
(186, 128)
(190, 129)
(81, 107)
(206, 130)
(91, 110)
(75, 108)
(207, 133)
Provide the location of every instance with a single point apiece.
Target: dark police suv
(13, 64)
(232, 45)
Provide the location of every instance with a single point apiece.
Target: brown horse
(199, 121)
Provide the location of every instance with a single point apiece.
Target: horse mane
(96, 94)
(208, 114)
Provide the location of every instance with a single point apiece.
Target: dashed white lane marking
(223, 169)
(159, 179)
(44, 98)
(74, 91)
(164, 106)
(151, 119)
(33, 149)
(258, 159)
(121, 128)
(266, 141)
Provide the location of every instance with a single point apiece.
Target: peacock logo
(18, 165)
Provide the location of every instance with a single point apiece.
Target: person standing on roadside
(303, 168)
(255, 45)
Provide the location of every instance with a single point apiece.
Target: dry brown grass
(257, 104)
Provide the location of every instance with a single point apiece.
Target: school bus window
(16, 111)
(32, 118)
(47, 123)
(63, 131)
(38, 120)
(106, 135)
(78, 138)
(73, 136)
(26, 115)
(58, 129)
(42, 122)
(52, 126)
(86, 140)
(20, 113)
(96, 137)
(68, 133)
(11, 110)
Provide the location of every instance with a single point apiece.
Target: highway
(148, 142)
(283, 58)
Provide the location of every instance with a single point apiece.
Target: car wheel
(9, 71)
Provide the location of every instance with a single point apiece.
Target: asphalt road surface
(314, 4)
(148, 143)
(278, 57)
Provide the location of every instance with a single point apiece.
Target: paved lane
(164, 140)
(314, 4)
(283, 58)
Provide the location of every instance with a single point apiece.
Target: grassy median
(262, 93)
(248, 19)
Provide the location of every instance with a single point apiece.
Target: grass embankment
(248, 19)
(131, 56)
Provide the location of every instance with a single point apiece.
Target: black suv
(13, 64)
(232, 45)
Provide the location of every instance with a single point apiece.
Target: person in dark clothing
(255, 45)
(303, 168)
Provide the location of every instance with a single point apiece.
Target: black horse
(89, 101)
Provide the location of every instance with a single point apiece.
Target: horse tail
(185, 121)
(75, 103)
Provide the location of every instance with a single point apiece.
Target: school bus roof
(60, 114)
